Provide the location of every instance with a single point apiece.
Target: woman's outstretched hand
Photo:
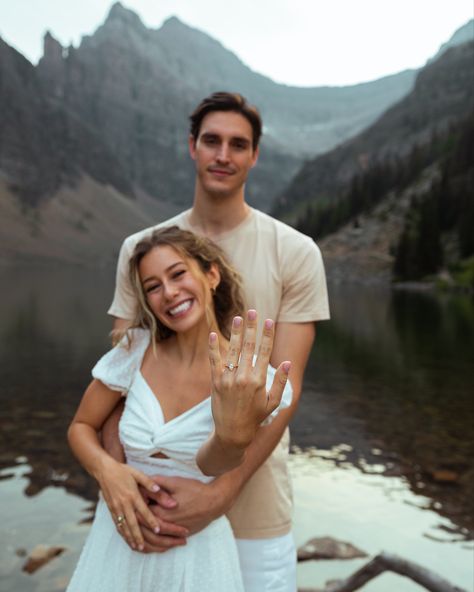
(240, 401)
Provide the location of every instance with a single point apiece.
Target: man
(284, 279)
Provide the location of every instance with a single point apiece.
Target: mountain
(443, 92)
(42, 146)
(97, 135)
(136, 87)
(464, 34)
(398, 198)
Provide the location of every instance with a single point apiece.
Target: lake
(383, 452)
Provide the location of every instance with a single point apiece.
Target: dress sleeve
(117, 368)
(286, 398)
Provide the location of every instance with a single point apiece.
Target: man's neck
(214, 216)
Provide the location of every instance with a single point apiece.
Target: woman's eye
(152, 288)
(179, 273)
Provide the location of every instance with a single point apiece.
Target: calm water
(387, 404)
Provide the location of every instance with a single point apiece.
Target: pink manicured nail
(155, 488)
(252, 315)
(141, 547)
(212, 337)
(268, 324)
(286, 367)
(156, 530)
(237, 322)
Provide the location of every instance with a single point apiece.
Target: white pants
(268, 565)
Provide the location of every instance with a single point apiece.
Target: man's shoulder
(133, 239)
(280, 229)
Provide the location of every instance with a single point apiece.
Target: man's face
(223, 152)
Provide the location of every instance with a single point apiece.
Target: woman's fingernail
(252, 315)
(141, 547)
(237, 321)
(286, 367)
(156, 530)
(212, 337)
(155, 488)
(268, 324)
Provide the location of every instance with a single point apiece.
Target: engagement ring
(120, 521)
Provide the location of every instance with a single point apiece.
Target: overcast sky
(298, 42)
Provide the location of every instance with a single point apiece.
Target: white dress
(209, 561)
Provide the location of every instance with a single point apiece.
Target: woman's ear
(213, 277)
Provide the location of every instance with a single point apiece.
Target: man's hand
(197, 505)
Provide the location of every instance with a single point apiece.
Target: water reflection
(388, 386)
(392, 377)
(52, 329)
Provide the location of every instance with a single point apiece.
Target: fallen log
(389, 562)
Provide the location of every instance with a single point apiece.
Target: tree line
(446, 207)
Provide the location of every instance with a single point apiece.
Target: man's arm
(197, 503)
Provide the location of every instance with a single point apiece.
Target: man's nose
(223, 153)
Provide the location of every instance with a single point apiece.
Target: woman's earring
(213, 292)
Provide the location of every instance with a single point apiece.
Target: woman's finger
(134, 528)
(275, 393)
(231, 362)
(123, 529)
(139, 504)
(265, 349)
(147, 517)
(250, 337)
(214, 357)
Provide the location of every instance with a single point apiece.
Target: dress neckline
(150, 391)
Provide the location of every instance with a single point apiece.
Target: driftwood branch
(388, 562)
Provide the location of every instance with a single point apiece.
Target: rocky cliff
(96, 135)
(443, 93)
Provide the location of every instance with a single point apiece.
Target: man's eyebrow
(213, 136)
(209, 135)
(241, 139)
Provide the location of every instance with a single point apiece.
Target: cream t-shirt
(284, 280)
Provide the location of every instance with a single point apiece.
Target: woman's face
(176, 289)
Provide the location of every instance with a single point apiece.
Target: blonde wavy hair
(227, 298)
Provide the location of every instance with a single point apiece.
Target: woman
(166, 365)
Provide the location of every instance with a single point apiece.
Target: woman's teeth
(180, 308)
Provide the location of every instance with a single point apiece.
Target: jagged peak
(52, 49)
(173, 21)
(118, 13)
(49, 37)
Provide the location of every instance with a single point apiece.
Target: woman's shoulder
(117, 368)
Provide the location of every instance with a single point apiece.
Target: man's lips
(220, 171)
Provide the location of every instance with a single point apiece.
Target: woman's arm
(240, 401)
(117, 481)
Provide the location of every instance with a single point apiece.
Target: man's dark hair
(226, 101)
